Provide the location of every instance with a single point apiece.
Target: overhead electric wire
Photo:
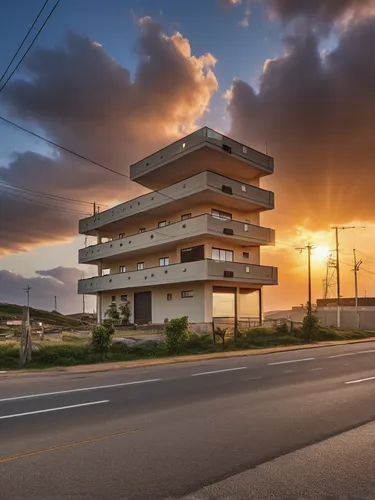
(46, 195)
(23, 41)
(33, 200)
(29, 47)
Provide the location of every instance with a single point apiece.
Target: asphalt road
(289, 425)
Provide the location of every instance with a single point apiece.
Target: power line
(29, 47)
(46, 195)
(31, 200)
(82, 157)
(23, 41)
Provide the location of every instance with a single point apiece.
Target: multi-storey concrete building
(192, 245)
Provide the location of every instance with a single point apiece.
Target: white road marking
(290, 361)
(315, 369)
(341, 355)
(53, 409)
(254, 378)
(360, 380)
(82, 389)
(3, 371)
(366, 352)
(219, 371)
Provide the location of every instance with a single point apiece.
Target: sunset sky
(114, 80)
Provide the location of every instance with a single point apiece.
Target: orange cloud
(86, 101)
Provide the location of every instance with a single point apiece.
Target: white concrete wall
(130, 228)
(152, 259)
(162, 308)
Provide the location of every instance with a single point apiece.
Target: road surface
(288, 425)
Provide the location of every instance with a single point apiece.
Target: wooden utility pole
(357, 266)
(55, 297)
(309, 248)
(337, 229)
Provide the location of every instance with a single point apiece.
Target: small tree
(102, 337)
(310, 326)
(221, 332)
(125, 312)
(177, 333)
(113, 314)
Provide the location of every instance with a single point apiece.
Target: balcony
(183, 231)
(202, 270)
(202, 150)
(206, 187)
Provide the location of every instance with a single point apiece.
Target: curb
(112, 366)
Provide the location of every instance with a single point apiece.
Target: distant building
(192, 246)
(362, 317)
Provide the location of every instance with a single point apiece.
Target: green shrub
(282, 329)
(310, 326)
(102, 337)
(177, 333)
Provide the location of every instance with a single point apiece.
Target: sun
(321, 253)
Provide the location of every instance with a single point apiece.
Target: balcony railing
(205, 182)
(206, 224)
(202, 270)
(194, 140)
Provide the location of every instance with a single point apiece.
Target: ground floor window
(249, 303)
(223, 302)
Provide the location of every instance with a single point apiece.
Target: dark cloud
(316, 112)
(87, 102)
(61, 281)
(325, 11)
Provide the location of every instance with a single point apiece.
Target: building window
(185, 216)
(121, 235)
(113, 298)
(244, 150)
(124, 298)
(243, 188)
(246, 228)
(192, 254)
(169, 296)
(219, 214)
(140, 266)
(106, 272)
(164, 261)
(162, 223)
(245, 255)
(247, 269)
(142, 230)
(221, 254)
(187, 294)
(122, 269)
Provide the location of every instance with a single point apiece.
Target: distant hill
(277, 314)
(13, 311)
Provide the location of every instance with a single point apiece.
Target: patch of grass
(77, 352)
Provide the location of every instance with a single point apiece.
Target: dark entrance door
(142, 308)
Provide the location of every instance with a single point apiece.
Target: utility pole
(337, 229)
(55, 298)
(309, 248)
(357, 266)
(27, 290)
(83, 296)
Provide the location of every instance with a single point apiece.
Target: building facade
(191, 246)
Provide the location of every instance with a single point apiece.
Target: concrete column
(261, 311)
(99, 298)
(99, 308)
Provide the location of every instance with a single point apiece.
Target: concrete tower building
(191, 246)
